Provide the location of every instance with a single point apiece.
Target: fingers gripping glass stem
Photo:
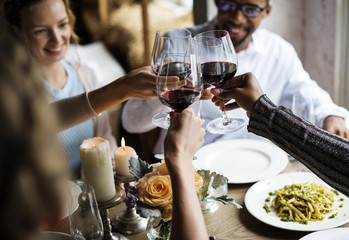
(219, 64)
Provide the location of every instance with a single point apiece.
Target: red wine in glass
(179, 99)
(219, 63)
(216, 73)
(178, 84)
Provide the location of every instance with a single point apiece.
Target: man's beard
(237, 43)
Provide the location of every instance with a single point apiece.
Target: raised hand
(244, 89)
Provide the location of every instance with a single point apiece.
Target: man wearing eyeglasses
(274, 62)
(241, 19)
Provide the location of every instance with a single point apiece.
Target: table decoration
(122, 156)
(128, 221)
(214, 189)
(98, 172)
(97, 167)
(152, 194)
(103, 208)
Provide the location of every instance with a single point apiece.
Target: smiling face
(239, 26)
(46, 30)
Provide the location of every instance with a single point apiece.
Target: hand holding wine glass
(178, 84)
(218, 64)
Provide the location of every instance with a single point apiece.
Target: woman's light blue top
(72, 137)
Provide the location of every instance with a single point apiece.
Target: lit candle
(97, 167)
(122, 156)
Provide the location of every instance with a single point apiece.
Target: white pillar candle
(97, 167)
(122, 156)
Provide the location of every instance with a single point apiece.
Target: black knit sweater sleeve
(326, 154)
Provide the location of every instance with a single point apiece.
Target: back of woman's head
(16, 10)
(32, 169)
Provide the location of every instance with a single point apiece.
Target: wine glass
(85, 222)
(170, 40)
(302, 106)
(178, 84)
(219, 63)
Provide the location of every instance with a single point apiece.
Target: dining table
(229, 222)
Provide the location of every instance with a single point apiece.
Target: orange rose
(166, 212)
(162, 168)
(198, 181)
(155, 190)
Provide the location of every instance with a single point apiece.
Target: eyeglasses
(249, 10)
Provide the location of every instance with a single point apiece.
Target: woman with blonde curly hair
(32, 172)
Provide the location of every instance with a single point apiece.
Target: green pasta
(304, 202)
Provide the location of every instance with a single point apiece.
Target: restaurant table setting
(249, 174)
(233, 223)
(242, 160)
(227, 222)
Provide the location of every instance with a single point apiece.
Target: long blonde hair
(32, 167)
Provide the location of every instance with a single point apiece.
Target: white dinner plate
(258, 192)
(333, 234)
(242, 160)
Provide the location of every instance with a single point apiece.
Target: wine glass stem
(226, 120)
(199, 111)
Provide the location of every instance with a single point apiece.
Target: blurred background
(117, 36)
(318, 29)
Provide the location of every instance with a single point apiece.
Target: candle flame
(123, 143)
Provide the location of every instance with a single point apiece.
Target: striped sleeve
(325, 154)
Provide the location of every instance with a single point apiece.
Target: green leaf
(210, 180)
(226, 200)
(219, 180)
(213, 180)
(138, 168)
(147, 211)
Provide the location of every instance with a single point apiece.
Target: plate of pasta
(298, 201)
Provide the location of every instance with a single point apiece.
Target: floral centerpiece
(152, 194)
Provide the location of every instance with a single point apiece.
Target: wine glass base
(217, 126)
(162, 120)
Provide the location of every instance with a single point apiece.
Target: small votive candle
(122, 156)
(97, 167)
